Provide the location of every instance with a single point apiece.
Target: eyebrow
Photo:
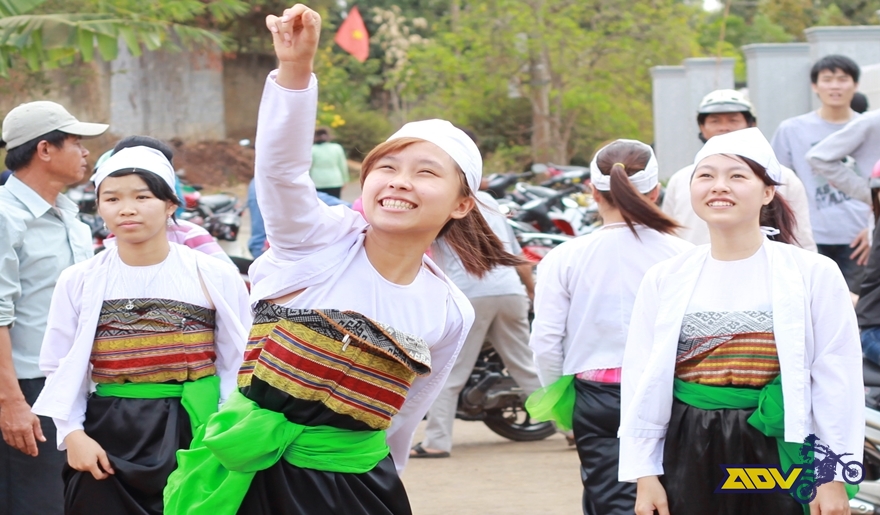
(419, 161)
(114, 192)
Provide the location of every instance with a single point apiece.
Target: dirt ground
(489, 475)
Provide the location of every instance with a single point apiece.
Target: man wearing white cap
(39, 237)
(720, 112)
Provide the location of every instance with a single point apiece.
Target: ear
(815, 89)
(596, 196)
(43, 152)
(654, 194)
(170, 208)
(464, 206)
(769, 194)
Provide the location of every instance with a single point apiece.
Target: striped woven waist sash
(351, 364)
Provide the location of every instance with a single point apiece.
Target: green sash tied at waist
(214, 475)
(199, 398)
(554, 402)
(768, 418)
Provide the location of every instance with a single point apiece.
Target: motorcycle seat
(218, 202)
(871, 373)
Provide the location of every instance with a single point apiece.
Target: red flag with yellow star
(352, 36)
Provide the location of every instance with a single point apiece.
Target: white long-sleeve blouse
(76, 307)
(817, 342)
(319, 250)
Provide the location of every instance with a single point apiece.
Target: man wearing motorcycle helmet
(720, 112)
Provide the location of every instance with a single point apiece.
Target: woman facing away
(355, 329)
(586, 289)
(157, 328)
(726, 326)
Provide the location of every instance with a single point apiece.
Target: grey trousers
(32, 486)
(502, 320)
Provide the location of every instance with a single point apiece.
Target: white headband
(749, 143)
(139, 158)
(644, 181)
(453, 141)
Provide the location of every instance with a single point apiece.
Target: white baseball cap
(34, 119)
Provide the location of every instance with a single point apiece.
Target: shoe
(419, 452)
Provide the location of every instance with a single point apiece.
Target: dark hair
(21, 156)
(619, 160)
(322, 135)
(146, 141)
(751, 120)
(833, 63)
(158, 187)
(859, 102)
(470, 237)
(777, 213)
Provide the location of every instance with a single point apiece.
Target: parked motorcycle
(492, 396)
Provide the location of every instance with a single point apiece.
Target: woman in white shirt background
(355, 329)
(584, 296)
(159, 330)
(723, 327)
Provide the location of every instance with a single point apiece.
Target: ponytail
(476, 244)
(777, 213)
(634, 207)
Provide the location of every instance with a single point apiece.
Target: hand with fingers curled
(87, 455)
(21, 428)
(295, 36)
(651, 497)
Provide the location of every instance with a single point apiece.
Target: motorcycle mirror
(570, 203)
(244, 142)
(539, 168)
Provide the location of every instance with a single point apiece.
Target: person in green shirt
(329, 169)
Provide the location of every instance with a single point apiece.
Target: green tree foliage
(562, 75)
(47, 34)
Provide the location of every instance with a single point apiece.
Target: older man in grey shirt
(39, 237)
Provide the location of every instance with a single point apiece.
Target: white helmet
(725, 101)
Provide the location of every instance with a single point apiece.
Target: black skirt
(141, 438)
(698, 442)
(596, 419)
(285, 489)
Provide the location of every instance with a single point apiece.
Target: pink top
(601, 375)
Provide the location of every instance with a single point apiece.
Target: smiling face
(415, 189)
(835, 88)
(131, 211)
(726, 193)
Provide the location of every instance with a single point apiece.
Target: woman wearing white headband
(355, 329)
(726, 327)
(585, 292)
(155, 329)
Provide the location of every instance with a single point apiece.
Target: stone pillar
(167, 95)
(670, 126)
(861, 43)
(779, 82)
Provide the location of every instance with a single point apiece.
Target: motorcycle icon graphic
(822, 470)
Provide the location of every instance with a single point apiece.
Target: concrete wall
(778, 79)
(676, 96)
(869, 84)
(243, 78)
(168, 94)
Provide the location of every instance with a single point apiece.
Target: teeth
(720, 204)
(397, 204)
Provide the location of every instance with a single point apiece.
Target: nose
(400, 181)
(85, 152)
(720, 184)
